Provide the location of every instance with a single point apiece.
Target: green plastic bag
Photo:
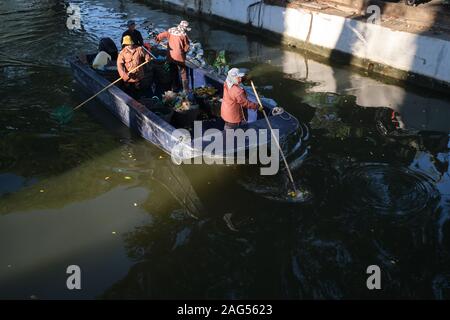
(221, 64)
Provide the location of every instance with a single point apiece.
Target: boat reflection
(375, 202)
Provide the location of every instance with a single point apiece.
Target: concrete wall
(400, 55)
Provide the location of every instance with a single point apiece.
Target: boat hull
(161, 133)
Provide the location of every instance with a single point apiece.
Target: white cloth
(232, 77)
(177, 31)
(181, 29)
(101, 60)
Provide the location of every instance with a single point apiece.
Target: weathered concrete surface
(401, 55)
(431, 16)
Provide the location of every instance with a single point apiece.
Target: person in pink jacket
(178, 46)
(234, 100)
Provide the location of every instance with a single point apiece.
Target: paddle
(295, 193)
(64, 114)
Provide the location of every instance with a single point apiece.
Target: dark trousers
(138, 89)
(231, 126)
(178, 71)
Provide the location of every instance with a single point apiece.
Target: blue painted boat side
(129, 111)
(162, 134)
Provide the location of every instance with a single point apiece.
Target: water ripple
(387, 190)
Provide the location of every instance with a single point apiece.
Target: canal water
(93, 194)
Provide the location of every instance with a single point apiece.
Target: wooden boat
(163, 133)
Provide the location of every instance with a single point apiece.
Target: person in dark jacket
(135, 35)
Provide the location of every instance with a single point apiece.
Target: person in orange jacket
(129, 58)
(178, 47)
(234, 100)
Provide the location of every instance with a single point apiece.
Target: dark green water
(93, 194)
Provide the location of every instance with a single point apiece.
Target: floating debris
(276, 188)
(182, 238)
(127, 178)
(227, 219)
(301, 195)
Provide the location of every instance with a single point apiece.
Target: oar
(109, 86)
(63, 114)
(295, 193)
